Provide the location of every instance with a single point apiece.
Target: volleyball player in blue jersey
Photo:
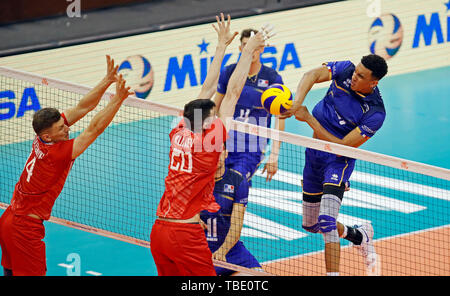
(351, 112)
(246, 151)
(223, 228)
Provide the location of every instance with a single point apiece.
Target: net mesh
(116, 184)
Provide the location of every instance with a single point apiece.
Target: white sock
(332, 273)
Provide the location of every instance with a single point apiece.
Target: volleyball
(138, 73)
(276, 99)
(385, 36)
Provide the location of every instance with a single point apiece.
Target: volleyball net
(115, 186)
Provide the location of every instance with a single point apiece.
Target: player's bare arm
(234, 233)
(225, 37)
(316, 75)
(91, 99)
(239, 76)
(102, 119)
(218, 98)
(271, 165)
(353, 138)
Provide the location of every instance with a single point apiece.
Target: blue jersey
(227, 192)
(249, 108)
(343, 109)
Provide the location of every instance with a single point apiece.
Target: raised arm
(316, 75)
(225, 37)
(239, 76)
(101, 120)
(91, 99)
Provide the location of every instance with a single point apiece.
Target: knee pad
(327, 226)
(313, 229)
(310, 216)
(327, 223)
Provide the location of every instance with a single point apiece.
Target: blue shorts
(238, 255)
(246, 163)
(323, 168)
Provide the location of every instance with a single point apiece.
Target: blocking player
(246, 152)
(45, 172)
(224, 227)
(177, 240)
(351, 112)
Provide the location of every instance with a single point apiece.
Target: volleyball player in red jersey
(178, 242)
(45, 172)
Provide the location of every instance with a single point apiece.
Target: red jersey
(193, 163)
(43, 177)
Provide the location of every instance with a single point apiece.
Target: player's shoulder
(269, 71)
(375, 98)
(374, 105)
(60, 150)
(340, 67)
(341, 63)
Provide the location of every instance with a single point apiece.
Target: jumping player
(177, 240)
(246, 152)
(42, 180)
(351, 112)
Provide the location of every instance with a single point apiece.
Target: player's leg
(6, 260)
(327, 220)
(190, 250)
(23, 237)
(336, 175)
(240, 255)
(160, 243)
(312, 190)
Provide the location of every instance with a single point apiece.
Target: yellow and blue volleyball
(276, 99)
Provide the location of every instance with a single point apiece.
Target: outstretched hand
(111, 70)
(223, 30)
(122, 92)
(271, 167)
(259, 39)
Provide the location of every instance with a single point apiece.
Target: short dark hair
(44, 119)
(376, 64)
(204, 105)
(247, 32)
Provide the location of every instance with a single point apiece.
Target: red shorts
(23, 250)
(180, 249)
